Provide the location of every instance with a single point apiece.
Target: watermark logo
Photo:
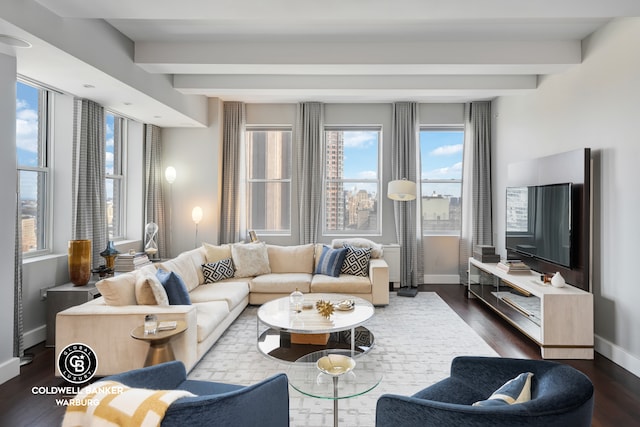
(77, 363)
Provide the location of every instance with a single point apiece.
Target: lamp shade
(170, 174)
(196, 214)
(402, 190)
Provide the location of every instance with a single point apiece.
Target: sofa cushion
(281, 283)
(174, 286)
(291, 259)
(208, 316)
(344, 284)
(118, 290)
(149, 290)
(250, 259)
(359, 242)
(184, 265)
(219, 270)
(356, 262)
(233, 292)
(516, 390)
(215, 253)
(331, 260)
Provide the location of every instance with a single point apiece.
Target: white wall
(596, 105)
(196, 155)
(9, 366)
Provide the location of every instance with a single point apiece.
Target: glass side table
(305, 377)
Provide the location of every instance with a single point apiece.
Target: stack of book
(130, 262)
(485, 253)
(513, 266)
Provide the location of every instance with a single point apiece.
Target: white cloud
(367, 174)
(452, 171)
(447, 150)
(359, 139)
(26, 127)
(110, 142)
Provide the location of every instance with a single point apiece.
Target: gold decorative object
(79, 262)
(325, 308)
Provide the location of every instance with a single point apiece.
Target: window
(268, 154)
(114, 174)
(32, 150)
(351, 180)
(441, 159)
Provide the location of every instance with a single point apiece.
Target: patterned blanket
(110, 403)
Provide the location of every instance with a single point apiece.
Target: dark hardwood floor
(617, 400)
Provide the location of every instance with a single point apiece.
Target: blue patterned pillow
(356, 262)
(175, 287)
(331, 261)
(219, 270)
(517, 390)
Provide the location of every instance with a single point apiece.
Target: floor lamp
(403, 190)
(170, 176)
(196, 216)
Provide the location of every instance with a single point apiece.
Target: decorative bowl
(336, 364)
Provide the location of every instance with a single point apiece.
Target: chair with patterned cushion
(560, 396)
(265, 403)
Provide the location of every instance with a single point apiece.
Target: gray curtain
(154, 200)
(18, 314)
(309, 124)
(233, 133)
(477, 217)
(89, 220)
(405, 163)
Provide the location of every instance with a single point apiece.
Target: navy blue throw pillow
(331, 260)
(175, 287)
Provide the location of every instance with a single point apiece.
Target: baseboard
(618, 355)
(9, 369)
(35, 336)
(442, 279)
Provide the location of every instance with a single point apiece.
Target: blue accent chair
(561, 396)
(263, 404)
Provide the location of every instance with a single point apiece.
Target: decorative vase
(79, 255)
(557, 280)
(110, 254)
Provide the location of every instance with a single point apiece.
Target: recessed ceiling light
(13, 41)
(88, 86)
(157, 117)
(127, 103)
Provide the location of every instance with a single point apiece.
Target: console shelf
(559, 320)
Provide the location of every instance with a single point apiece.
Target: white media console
(559, 320)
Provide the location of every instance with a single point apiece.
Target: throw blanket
(110, 403)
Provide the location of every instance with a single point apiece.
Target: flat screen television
(539, 222)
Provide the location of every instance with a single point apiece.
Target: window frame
(377, 182)
(440, 128)
(249, 180)
(45, 136)
(119, 171)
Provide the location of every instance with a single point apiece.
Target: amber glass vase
(79, 262)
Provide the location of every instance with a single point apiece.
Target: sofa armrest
(379, 276)
(107, 330)
(165, 376)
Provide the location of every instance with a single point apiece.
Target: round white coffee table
(287, 334)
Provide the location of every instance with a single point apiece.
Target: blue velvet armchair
(561, 396)
(263, 404)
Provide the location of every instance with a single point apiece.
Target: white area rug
(415, 338)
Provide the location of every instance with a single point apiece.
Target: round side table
(160, 349)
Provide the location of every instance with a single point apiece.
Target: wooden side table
(160, 349)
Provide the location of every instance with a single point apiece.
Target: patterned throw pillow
(331, 261)
(356, 262)
(219, 270)
(517, 390)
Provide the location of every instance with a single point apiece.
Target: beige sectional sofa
(105, 323)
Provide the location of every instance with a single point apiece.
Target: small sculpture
(325, 308)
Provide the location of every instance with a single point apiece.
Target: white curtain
(405, 163)
(154, 199)
(477, 218)
(234, 118)
(309, 124)
(89, 219)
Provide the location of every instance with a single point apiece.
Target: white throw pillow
(251, 259)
